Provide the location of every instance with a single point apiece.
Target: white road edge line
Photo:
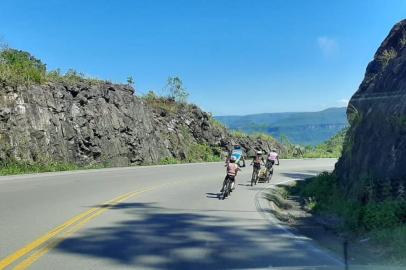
(268, 216)
(86, 171)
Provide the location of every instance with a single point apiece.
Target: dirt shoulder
(325, 231)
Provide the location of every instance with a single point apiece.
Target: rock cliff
(374, 155)
(98, 122)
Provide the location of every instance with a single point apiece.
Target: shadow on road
(161, 238)
(245, 185)
(212, 195)
(297, 176)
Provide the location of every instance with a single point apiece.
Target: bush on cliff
(176, 90)
(196, 153)
(332, 148)
(20, 68)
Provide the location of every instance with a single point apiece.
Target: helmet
(259, 152)
(233, 159)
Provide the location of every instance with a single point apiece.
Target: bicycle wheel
(229, 189)
(270, 175)
(253, 178)
(256, 177)
(225, 191)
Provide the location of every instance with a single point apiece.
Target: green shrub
(332, 148)
(238, 134)
(196, 153)
(381, 215)
(169, 160)
(70, 77)
(20, 167)
(20, 68)
(202, 152)
(324, 194)
(150, 96)
(216, 123)
(161, 103)
(176, 90)
(263, 137)
(393, 240)
(386, 56)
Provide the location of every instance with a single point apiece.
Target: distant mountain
(306, 128)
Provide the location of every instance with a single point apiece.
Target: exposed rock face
(87, 123)
(374, 157)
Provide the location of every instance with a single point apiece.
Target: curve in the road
(45, 243)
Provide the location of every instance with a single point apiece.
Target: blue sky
(235, 57)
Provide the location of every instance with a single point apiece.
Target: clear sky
(234, 56)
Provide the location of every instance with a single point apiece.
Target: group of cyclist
(258, 160)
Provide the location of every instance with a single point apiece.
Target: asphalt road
(159, 217)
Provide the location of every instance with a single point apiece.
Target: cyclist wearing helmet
(232, 170)
(272, 158)
(257, 160)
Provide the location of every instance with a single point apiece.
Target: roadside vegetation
(196, 153)
(173, 101)
(383, 222)
(19, 68)
(20, 167)
(332, 148)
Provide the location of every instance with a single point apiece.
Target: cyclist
(232, 170)
(270, 161)
(256, 161)
(273, 157)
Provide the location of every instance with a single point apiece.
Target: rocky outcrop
(372, 166)
(98, 122)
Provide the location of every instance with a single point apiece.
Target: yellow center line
(31, 246)
(80, 220)
(52, 244)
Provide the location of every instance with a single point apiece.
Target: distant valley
(305, 128)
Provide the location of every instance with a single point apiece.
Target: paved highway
(158, 217)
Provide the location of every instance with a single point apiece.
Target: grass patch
(216, 123)
(393, 240)
(196, 153)
(238, 134)
(18, 167)
(386, 56)
(21, 68)
(203, 153)
(71, 77)
(384, 221)
(263, 137)
(332, 148)
(166, 104)
(169, 160)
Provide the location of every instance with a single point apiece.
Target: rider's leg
(224, 183)
(233, 183)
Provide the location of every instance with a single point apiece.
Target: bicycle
(226, 189)
(255, 173)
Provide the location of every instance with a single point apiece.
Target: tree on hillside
(130, 80)
(176, 89)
